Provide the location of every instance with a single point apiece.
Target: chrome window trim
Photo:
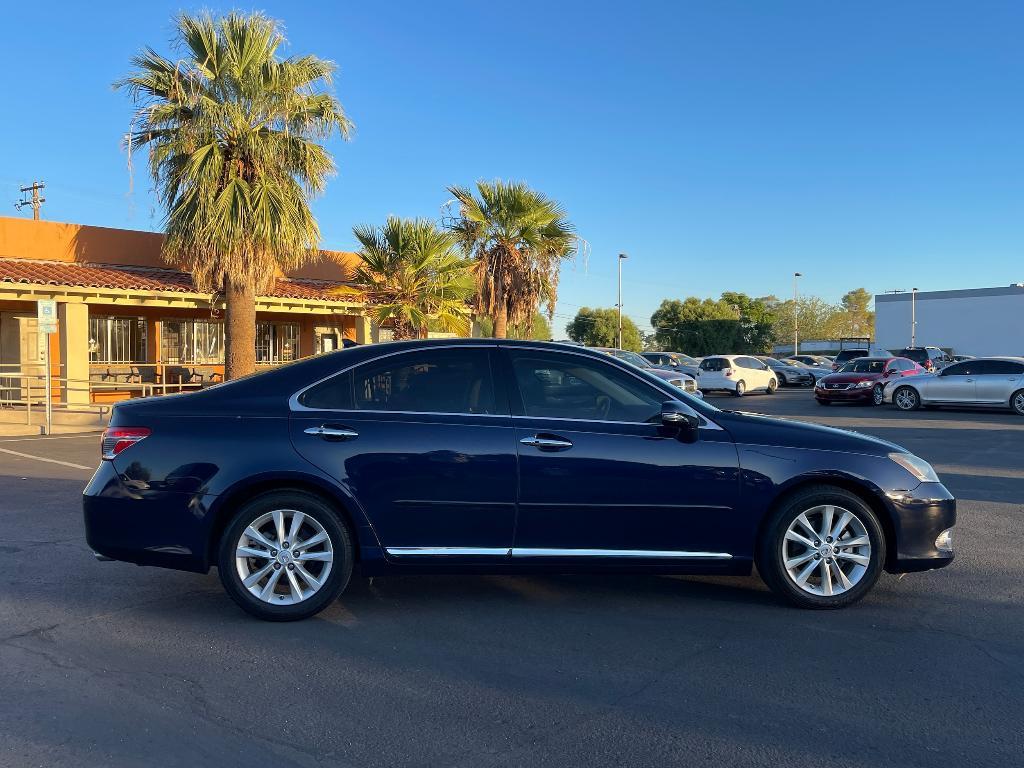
(660, 554)
(295, 406)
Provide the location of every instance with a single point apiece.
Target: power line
(35, 201)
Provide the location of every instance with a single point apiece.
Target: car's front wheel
(823, 548)
(1017, 402)
(877, 396)
(286, 555)
(906, 399)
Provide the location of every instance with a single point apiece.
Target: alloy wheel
(905, 399)
(826, 550)
(284, 557)
(877, 396)
(1018, 402)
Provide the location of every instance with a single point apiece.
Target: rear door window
(428, 381)
(998, 368)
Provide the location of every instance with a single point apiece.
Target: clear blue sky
(723, 145)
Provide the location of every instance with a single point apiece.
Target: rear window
(715, 364)
(850, 354)
(917, 355)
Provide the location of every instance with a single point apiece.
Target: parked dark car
(862, 380)
(673, 361)
(932, 359)
(847, 355)
(497, 456)
(787, 374)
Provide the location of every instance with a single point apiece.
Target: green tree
(756, 317)
(816, 320)
(519, 238)
(697, 326)
(231, 129)
(600, 328)
(854, 317)
(413, 277)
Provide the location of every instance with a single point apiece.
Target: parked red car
(861, 380)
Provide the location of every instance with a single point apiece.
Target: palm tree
(231, 129)
(413, 277)
(519, 238)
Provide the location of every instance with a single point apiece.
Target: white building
(976, 321)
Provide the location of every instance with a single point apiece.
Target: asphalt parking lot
(108, 664)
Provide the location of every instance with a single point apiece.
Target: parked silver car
(686, 383)
(984, 381)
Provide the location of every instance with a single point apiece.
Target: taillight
(727, 372)
(928, 365)
(116, 439)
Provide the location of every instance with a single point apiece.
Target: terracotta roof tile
(142, 279)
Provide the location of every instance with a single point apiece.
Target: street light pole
(796, 315)
(913, 317)
(622, 257)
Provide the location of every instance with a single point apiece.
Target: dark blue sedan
(493, 456)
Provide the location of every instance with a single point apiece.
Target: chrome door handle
(547, 443)
(969, 380)
(332, 433)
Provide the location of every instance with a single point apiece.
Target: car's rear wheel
(1017, 402)
(823, 548)
(772, 386)
(740, 389)
(877, 396)
(906, 399)
(285, 555)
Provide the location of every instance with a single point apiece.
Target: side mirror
(674, 416)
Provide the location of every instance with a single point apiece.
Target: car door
(424, 443)
(756, 373)
(996, 380)
(954, 384)
(600, 477)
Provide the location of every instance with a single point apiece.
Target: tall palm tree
(413, 276)
(232, 132)
(519, 238)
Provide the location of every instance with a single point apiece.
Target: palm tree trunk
(239, 330)
(501, 322)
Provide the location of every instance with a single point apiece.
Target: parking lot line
(37, 438)
(43, 458)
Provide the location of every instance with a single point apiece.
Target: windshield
(771, 362)
(631, 357)
(864, 366)
(850, 354)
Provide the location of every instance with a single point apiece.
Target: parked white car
(984, 381)
(738, 374)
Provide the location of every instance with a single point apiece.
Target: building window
(117, 340)
(196, 342)
(277, 342)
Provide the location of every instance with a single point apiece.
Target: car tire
(331, 551)
(860, 565)
(740, 388)
(823, 402)
(1017, 402)
(772, 386)
(782, 380)
(906, 398)
(877, 396)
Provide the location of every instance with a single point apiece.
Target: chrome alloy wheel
(826, 550)
(905, 399)
(284, 557)
(1018, 402)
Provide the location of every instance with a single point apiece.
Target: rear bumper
(162, 528)
(919, 517)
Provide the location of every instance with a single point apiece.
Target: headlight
(916, 466)
(863, 384)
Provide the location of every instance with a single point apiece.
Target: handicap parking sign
(47, 315)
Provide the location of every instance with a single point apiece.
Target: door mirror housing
(676, 417)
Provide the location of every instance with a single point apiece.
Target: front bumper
(919, 516)
(843, 395)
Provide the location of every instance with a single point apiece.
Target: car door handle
(332, 433)
(547, 443)
(969, 380)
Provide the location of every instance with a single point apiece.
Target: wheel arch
(864, 491)
(244, 491)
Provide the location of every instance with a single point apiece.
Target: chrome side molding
(661, 554)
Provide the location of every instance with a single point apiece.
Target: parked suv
(736, 373)
(929, 358)
(847, 355)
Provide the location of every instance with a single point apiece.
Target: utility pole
(36, 201)
(622, 258)
(913, 317)
(796, 315)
